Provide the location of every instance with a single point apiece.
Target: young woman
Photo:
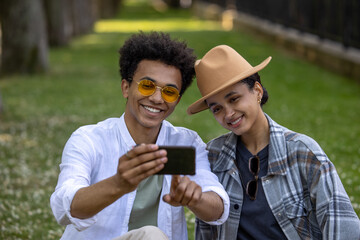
(281, 184)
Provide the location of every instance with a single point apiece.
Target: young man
(107, 185)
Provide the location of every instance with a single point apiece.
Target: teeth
(152, 109)
(235, 122)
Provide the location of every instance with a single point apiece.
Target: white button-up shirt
(91, 155)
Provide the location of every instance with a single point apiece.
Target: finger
(127, 164)
(178, 192)
(151, 171)
(128, 155)
(196, 196)
(141, 149)
(175, 180)
(141, 168)
(132, 171)
(167, 198)
(188, 193)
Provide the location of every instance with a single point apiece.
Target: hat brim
(200, 105)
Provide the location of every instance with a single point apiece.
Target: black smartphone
(181, 160)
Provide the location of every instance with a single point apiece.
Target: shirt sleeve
(75, 172)
(208, 180)
(334, 212)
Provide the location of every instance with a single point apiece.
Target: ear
(125, 86)
(258, 89)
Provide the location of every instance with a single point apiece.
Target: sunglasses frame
(161, 90)
(256, 177)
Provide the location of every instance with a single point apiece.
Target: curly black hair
(157, 46)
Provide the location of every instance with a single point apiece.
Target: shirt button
(279, 214)
(236, 206)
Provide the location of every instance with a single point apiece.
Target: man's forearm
(210, 207)
(88, 201)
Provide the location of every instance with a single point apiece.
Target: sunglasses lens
(252, 189)
(146, 87)
(170, 94)
(254, 167)
(254, 163)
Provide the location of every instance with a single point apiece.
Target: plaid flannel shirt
(302, 188)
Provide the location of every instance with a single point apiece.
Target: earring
(259, 100)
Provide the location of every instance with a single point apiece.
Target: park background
(79, 84)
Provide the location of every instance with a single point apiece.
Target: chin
(151, 123)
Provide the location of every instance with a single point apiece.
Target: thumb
(167, 198)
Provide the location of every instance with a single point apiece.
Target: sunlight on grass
(155, 25)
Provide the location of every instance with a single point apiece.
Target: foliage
(83, 87)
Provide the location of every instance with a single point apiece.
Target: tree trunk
(59, 23)
(24, 37)
(173, 3)
(83, 16)
(1, 106)
(107, 8)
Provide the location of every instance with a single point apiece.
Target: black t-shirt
(256, 219)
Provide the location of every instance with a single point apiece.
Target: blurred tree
(29, 26)
(1, 106)
(83, 15)
(173, 3)
(107, 8)
(24, 37)
(59, 22)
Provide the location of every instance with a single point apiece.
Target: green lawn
(83, 87)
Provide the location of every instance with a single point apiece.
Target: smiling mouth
(236, 121)
(153, 110)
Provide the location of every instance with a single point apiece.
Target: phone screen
(181, 160)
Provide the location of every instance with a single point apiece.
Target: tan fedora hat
(221, 67)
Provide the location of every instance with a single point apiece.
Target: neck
(259, 135)
(141, 134)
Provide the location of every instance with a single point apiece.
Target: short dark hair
(250, 82)
(157, 46)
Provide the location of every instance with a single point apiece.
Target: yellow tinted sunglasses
(168, 93)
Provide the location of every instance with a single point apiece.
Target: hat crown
(220, 68)
(217, 67)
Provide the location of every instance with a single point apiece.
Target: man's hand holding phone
(144, 160)
(137, 164)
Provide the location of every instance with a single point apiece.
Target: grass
(83, 87)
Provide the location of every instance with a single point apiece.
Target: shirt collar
(277, 149)
(227, 155)
(129, 141)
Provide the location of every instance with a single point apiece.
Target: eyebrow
(153, 80)
(226, 97)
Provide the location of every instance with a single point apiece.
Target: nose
(156, 97)
(229, 112)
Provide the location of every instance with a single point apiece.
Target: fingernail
(163, 152)
(154, 146)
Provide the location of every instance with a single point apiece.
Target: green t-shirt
(146, 203)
